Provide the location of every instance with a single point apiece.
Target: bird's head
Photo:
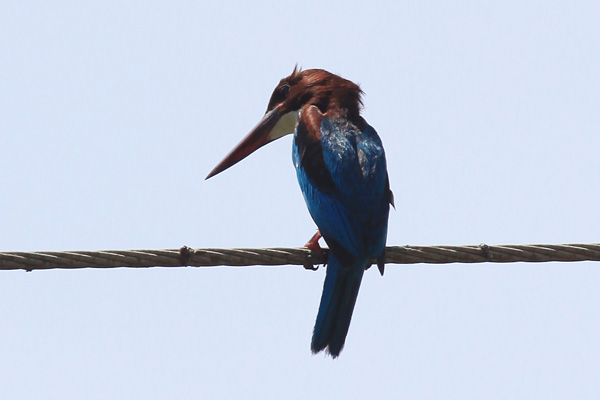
(312, 87)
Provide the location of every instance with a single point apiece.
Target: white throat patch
(285, 125)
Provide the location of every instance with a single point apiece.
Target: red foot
(313, 243)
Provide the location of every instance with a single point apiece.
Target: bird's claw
(311, 267)
(313, 244)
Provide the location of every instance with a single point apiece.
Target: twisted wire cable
(186, 256)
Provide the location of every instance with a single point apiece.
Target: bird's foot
(313, 244)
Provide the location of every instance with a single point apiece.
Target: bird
(341, 169)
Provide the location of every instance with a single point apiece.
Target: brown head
(330, 93)
(317, 87)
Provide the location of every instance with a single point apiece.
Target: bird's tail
(340, 291)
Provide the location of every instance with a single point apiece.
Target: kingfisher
(341, 168)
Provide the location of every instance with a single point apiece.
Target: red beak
(258, 137)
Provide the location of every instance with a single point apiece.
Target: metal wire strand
(186, 256)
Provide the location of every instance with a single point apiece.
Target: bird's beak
(272, 126)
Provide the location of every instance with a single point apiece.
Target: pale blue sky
(112, 114)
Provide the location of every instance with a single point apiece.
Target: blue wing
(352, 205)
(341, 170)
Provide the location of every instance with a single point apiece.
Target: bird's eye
(283, 91)
(279, 95)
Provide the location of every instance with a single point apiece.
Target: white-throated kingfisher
(341, 169)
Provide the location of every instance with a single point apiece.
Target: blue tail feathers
(340, 291)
